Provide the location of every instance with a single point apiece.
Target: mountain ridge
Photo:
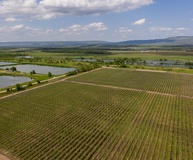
(173, 41)
(178, 40)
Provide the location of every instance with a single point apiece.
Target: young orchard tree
(13, 69)
(49, 74)
(18, 87)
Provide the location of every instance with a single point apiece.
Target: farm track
(129, 89)
(2, 157)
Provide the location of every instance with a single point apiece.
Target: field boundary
(130, 89)
(148, 70)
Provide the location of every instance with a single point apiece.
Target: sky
(102, 20)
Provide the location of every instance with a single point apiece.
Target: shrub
(49, 74)
(29, 84)
(38, 81)
(71, 73)
(17, 87)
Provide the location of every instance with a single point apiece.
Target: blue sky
(106, 20)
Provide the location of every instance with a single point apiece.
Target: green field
(164, 82)
(151, 55)
(154, 55)
(57, 54)
(105, 114)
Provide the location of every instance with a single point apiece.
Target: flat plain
(104, 114)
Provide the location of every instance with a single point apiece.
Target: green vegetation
(33, 72)
(111, 113)
(8, 54)
(49, 74)
(133, 57)
(154, 55)
(64, 57)
(104, 114)
(18, 87)
(87, 51)
(13, 69)
(33, 76)
(29, 84)
(91, 57)
(170, 83)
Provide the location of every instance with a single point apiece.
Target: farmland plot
(178, 84)
(78, 121)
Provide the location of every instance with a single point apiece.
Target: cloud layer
(22, 32)
(46, 9)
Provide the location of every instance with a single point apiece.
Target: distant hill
(52, 44)
(171, 41)
(180, 40)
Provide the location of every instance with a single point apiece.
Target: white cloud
(77, 28)
(21, 32)
(161, 29)
(84, 7)
(123, 30)
(46, 9)
(139, 22)
(97, 26)
(46, 16)
(168, 29)
(182, 29)
(64, 30)
(10, 19)
(18, 7)
(20, 26)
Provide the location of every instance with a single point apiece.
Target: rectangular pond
(168, 63)
(92, 60)
(27, 68)
(6, 63)
(6, 81)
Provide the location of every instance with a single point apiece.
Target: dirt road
(2, 157)
(131, 89)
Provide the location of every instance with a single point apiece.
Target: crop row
(74, 121)
(178, 84)
(22, 115)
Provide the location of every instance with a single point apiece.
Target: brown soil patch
(3, 157)
(148, 70)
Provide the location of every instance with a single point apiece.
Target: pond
(27, 68)
(6, 63)
(7, 81)
(92, 60)
(84, 59)
(168, 63)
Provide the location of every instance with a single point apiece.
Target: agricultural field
(108, 114)
(112, 54)
(155, 81)
(155, 55)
